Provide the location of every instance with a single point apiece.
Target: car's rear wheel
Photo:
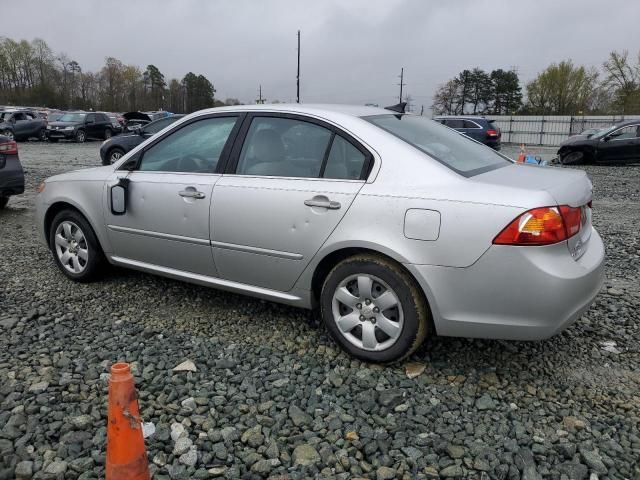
(8, 134)
(3, 202)
(107, 133)
(42, 135)
(572, 158)
(374, 309)
(115, 155)
(75, 247)
(81, 136)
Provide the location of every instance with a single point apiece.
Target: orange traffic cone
(521, 155)
(126, 455)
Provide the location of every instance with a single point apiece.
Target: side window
(283, 147)
(625, 133)
(91, 118)
(195, 148)
(345, 161)
(469, 124)
(454, 123)
(19, 116)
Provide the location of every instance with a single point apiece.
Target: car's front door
(288, 185)
(169, 198)
(621, 145)
(20, 125)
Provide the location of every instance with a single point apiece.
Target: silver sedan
(394, 226)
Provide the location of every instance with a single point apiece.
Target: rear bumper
(515, 293)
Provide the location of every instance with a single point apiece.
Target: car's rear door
(289, 182)
(473, 130)
(166, 223)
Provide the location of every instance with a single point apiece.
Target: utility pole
(260, 100)
(298, 76)
(402, 84)
(421, 110)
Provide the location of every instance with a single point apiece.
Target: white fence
(549, 130)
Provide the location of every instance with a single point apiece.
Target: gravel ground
(273, 397)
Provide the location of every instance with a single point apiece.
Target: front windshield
(72, 117)
(458, 152)
(604, 131)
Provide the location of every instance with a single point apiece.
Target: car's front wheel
(107, 133)
(114, 155)
(42, 135)
(75, 247)
(81, 136)
(374, 309)
(572, 158)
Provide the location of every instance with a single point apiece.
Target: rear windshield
(492, 124)
(458, 152)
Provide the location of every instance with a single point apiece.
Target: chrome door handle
(314, 202)
(191, 194)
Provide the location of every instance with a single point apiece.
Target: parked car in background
(479, 128)
(115, 123)
(22, 125)
(395, 226)
(54, 116)
(11, 173)
(617, 144)
(113, 149)
(136, 119)
(80, 126)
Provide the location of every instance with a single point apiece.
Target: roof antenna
(400, 107)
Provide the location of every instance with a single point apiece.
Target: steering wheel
(192, 163)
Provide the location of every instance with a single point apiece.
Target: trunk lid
(566, 186)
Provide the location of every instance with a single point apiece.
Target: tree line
(32, 74)
(560, 89)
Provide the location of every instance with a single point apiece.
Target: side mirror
(118, 194)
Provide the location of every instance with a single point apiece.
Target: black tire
(8, 134)
(42, 135)
(80, 136)
(107, 133)
(572, 158)
(3, 202)
(417, 317)
(53, 140)
(95, 259)
(114, 155)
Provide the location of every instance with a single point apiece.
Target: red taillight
(541, 226)
(493, 133)
(9, 148)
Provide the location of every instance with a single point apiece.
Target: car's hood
(63, 124)
(575, 139)
(566, 186)
(85, 174)
(136, 116)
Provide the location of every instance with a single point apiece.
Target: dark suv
(479, 128)
(11, 174)
(79, 126)
(22, 125)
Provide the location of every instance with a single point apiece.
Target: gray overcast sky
(352, 50)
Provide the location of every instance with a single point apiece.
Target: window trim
(614, 139)
(138, 156)
(233, 159)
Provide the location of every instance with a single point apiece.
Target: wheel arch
(332, 258)
(61, 205)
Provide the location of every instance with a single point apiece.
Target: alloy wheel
(71, 247)
(8, 134)
(368, 312)
(115, 156)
